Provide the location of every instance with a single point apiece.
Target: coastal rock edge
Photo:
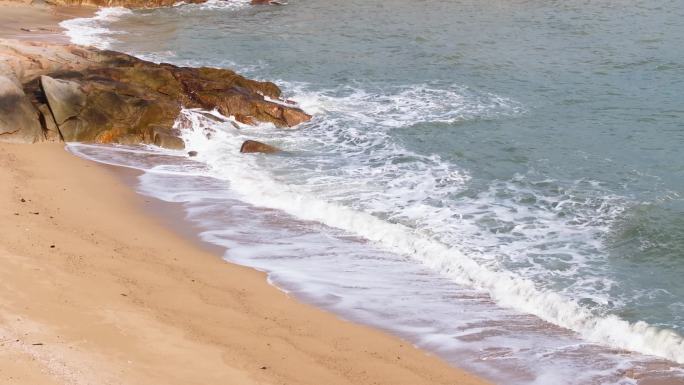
(53, 92)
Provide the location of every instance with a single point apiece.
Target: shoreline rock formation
(52, 92)
(252, 146)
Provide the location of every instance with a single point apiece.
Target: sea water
(497, 182)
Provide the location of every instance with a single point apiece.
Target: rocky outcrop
(18, 117)
(89, 95)
(66, 99)
(253, 146)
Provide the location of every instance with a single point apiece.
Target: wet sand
(96, 291)
(20, 20)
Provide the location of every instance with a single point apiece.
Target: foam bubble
(404, 105)
(346, 209)
(94, 31)
(225, 4)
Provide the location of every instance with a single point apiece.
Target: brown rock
(250, 146)
(295, 116)
(129, 139)
(245, 119)
(109, 97)
(168, 141)
(19, 121)
(47, 120)
(65, 98)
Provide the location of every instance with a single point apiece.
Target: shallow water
(500, 183)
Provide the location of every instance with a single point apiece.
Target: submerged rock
(168, 141)
(294, 116)
(254, 146)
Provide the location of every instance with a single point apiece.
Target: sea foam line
(94, 31)
(257, 187)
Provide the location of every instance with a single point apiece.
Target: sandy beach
(264, 192)
(96, 291)
(37, 22)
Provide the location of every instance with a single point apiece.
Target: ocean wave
(400, 106)
(257, 185)
(94, 31)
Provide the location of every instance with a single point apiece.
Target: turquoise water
(528, 150)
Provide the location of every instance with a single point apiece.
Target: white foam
(94, 31)
(354, 279)
(260, 187)
(225, 4)
(404, 105)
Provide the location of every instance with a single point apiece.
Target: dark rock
(250, 146)
(295, 116)
(168, 141)
(47, 120)
(192, 153)
(109, 97)
(244, 119)
(19, 121)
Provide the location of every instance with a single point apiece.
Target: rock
(129, 139)
(245, 119)
(27, 60)
(19, 121)
(168, 141)
(65, 98)
(250, 146)
(47, 120)
(192, 153)
(295, 116)
(212, 117)
(98, 96)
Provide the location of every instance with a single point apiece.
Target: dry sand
(92, 291)
(19, 20)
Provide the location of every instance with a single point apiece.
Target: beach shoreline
(24, 21)
(96, 290)
(129, 301)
